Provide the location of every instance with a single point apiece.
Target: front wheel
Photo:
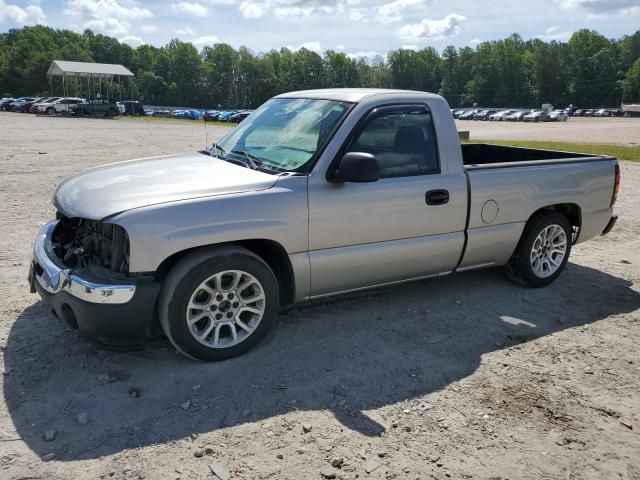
(543, 251)
(217, 303)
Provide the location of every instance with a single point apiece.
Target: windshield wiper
(252, 161)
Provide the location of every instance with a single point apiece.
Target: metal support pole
(64, 88)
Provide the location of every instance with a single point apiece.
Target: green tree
(632, 83)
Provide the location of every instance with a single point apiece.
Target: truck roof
(349, 94)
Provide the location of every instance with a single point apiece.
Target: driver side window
(403, 141)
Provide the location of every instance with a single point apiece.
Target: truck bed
(483, 155)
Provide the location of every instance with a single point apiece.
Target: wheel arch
(571, 211)
(272, 252)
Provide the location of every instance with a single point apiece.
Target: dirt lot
(623, 131)
(464, 377)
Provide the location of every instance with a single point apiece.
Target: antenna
(206, 138)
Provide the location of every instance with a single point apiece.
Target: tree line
(589, 70)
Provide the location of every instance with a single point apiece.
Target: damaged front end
(80, 268)
(89, 244)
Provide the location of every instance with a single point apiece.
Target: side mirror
(357, 167)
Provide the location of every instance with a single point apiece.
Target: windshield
(284, 134)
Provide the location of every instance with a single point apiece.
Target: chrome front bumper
(53, 278)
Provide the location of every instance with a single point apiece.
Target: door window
(403, 141)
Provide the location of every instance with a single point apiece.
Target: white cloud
(29, 15)
(554, 33)
(205, 40)
(292, 8)
(185, 31)
(195, 9)
(110, 26)
(474, 42)
(604, 7)
(312, 46)
(148, 29)
(409, 47)
(132, 41)
(446, 27)
(252, 9)
(356, 15)
(107, 16)
(340, 47)
(392, 11)
(97, 9)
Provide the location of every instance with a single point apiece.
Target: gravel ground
(623, 131)
(464, 377)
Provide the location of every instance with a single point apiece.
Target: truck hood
(117, 187)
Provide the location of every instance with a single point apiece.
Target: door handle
(437, 197)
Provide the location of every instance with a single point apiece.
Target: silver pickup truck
(316, 193)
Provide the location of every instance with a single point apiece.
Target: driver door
(367, 234)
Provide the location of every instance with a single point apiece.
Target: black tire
(519, 269)
(183, 280)
(50, 111)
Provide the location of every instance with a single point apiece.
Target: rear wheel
(218, 303)
(50, 111)
(543, 251)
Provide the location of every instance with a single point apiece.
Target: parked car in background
(210, 245)
(189, 114)
(4, 103)
(578, 113)
(224, 116)
(608, 112)
(62, 105)
(459, 112)
(240, 116)
(211, 115)
(105, 107)
(34, 106)
(131, 107)
(558, 116)
(536, 116)
(468, 115)
(500, 116)
(24, 107)
(483, 115)
(589, 112)
(17, 104)
(517, 116)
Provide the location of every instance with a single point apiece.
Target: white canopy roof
(84, 69)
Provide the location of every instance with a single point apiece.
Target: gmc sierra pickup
(316, 193)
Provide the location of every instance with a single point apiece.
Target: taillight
(616, 185)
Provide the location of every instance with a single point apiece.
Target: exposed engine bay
(82, 243)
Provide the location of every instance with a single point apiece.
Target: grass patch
(621, 152)
(143, 118)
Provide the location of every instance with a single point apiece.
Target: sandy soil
(463, 377)
(623, 131)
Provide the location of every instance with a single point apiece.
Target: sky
(360, 28)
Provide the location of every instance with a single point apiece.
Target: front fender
(159, 231)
